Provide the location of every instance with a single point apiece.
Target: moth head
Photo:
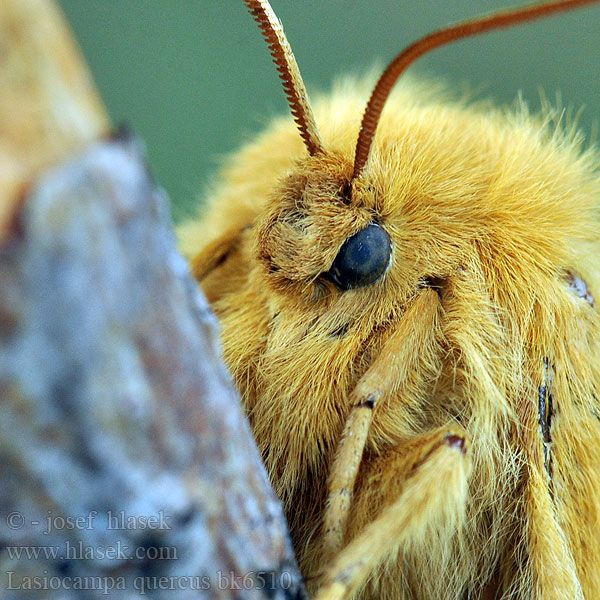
(315, 234)
(317, 237)
(324, 229)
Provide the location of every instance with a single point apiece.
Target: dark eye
(362, 259)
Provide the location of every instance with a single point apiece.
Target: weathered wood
(114, 402)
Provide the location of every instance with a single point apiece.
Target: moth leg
(551, 562)
(343, 476)
(397, 359)
(437, 464)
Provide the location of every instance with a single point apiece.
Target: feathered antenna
(284, 60)
(435, 40)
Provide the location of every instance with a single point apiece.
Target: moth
(407, 308)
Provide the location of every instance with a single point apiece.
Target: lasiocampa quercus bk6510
(410, 319)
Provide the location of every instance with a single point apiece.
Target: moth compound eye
(362, 259)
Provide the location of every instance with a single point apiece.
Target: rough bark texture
(116, 407)
(127, 465)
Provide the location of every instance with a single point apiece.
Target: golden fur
(499, 208)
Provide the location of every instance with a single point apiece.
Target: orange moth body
(431, 421)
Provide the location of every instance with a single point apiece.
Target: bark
(128, 466)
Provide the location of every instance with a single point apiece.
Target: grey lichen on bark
(127, 466)
(120, 427)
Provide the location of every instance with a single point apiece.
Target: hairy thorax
(494, 213)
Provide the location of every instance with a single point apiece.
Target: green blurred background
(194, 79)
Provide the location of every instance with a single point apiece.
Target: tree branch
(128, 466)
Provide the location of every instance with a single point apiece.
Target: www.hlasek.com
(80, 551)
(220, 580)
